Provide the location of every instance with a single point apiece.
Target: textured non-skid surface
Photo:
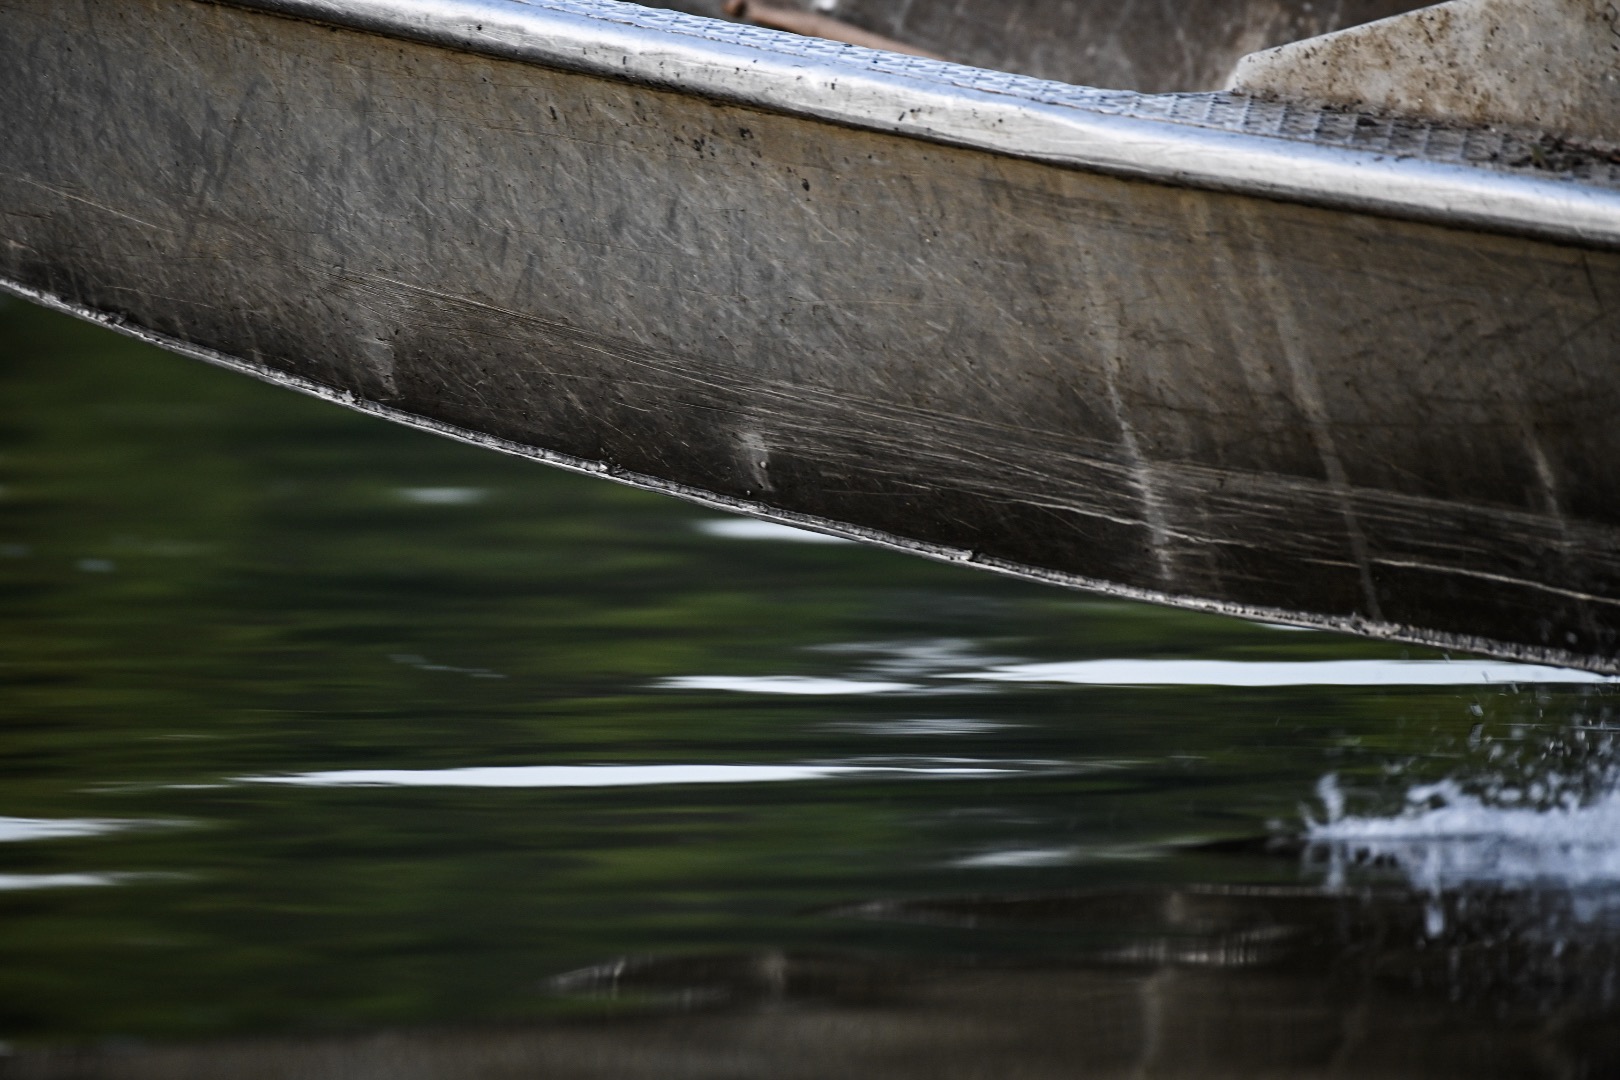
(1507, 150)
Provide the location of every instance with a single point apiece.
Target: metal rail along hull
(1200, 349)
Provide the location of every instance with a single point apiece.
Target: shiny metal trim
(1372, 628)
(1077, 127)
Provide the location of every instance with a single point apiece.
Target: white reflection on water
(571, 776)
(783, 684)
(14, 882)
(1285, 673)
(916, 658)
(443, 496)
(751, 529)
(1003, 858)
(17, 828)
(1017, 857)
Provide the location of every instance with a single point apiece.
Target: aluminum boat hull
(1302, 365)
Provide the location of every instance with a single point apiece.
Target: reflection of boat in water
(1255, 351)
(1180, 982)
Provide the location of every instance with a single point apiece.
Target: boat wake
(1446, 837)
(1544, 828)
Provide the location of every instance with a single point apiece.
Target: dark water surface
(335, 749)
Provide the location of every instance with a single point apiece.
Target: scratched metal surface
(1527, 183)
(1189, 395)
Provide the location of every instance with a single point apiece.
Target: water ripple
(576, 776)
(1161, 672)
(783, 684)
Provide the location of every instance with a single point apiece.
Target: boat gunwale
(1122, 133)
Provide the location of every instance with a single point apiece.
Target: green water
(209, 584)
